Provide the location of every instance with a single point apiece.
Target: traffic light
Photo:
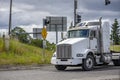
(45, 22)
(78, 18)
(107, 2)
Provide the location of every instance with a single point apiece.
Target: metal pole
(44, 45)
(56, 34)
(75, 11)
(62, 30)
(10, 17)
(62, 35)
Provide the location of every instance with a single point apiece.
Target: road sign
(37, 32)
(56, 23)
(44, 33)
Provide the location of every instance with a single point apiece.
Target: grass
(115, 48)
(1, 45)
(22, 54)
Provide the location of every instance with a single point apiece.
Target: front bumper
(115, 56)
(75, 61)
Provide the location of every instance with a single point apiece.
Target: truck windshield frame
(78, 33)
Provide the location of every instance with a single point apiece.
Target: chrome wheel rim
(89, 63)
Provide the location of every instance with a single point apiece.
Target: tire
(88, 63)
(116, 62)
(60, 67)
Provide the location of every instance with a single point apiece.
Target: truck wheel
(60, 67)
(88, 63)
(116, 62)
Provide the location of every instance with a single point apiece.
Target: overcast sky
(30, 13)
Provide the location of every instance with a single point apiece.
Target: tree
(115, 33)
(20, 34)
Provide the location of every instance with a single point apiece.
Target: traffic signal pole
(75, 11)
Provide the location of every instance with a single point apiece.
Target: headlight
(79, 55)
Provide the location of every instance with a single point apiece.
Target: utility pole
(10, 17)
(75, 11)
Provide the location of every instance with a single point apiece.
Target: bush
(39, 43)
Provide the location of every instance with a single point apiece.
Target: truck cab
(87, 45)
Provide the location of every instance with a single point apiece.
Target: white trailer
(87, 45)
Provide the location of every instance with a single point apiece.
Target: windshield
(78, 33)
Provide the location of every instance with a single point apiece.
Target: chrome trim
(64, 51)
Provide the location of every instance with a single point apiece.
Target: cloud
(100, 5)
(29, 12)
(27, 18)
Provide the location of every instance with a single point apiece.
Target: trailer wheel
(88, 63)
(60, 67)
(116, 62)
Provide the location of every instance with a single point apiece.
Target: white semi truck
(87, 45)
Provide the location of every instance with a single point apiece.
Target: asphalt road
(72, 73)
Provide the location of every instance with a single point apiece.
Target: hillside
(20, 53)
(23, 54)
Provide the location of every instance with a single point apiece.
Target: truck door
(93, 40)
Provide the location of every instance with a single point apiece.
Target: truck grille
(64, 51)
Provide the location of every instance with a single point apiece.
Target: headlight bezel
(79, 55)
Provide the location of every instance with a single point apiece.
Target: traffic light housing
(107, 2)
(78, 18)
(45, 22)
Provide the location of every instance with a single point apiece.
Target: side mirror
(65, 36)
(92, 35)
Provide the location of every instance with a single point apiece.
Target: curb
(22, 67)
